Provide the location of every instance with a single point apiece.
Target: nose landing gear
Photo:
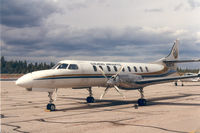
(50, 105)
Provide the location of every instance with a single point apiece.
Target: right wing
(163, 80)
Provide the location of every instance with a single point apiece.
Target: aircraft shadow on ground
(189, 85)
(111, 103)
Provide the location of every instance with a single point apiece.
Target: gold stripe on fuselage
(163, 71)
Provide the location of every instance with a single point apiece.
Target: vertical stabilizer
(173, 55)
(168, 61)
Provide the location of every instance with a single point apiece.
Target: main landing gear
(50, 105)
(142, 101)
(90, 98)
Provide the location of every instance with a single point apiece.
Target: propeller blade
(104, 92)
(118, 71)
(111, 82)
(117, 89)
(102, 72)
(55, 92)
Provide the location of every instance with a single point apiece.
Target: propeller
(111, 82)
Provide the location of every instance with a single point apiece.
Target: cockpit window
(73, 67)
(62, 66)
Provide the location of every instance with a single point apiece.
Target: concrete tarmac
(170, 109)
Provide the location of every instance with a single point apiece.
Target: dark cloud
(109, 44)
(90, 42)
(29, 33)
(23, 13)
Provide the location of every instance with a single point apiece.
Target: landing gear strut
(90, 98)
(142, 101)
(175, 83)
(50, 105)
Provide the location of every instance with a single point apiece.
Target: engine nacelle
(128, 81)
(129, 78)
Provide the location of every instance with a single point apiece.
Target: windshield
(62, 66)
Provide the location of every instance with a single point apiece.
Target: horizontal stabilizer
(181, 61)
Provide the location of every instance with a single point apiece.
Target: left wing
(163, 80)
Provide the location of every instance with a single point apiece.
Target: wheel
(175, 84)
(90, 99)
(142, 102)
(51, 107)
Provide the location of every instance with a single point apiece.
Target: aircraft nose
(25, 81)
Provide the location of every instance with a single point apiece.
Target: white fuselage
(84, 74)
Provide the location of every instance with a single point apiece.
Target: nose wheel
(50, 106)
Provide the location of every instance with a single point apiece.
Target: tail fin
(174, 54)
(172, 58)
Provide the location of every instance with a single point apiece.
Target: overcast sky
(106, 30)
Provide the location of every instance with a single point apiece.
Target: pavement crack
(16, 128)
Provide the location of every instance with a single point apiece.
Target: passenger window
(129, 69)
(73, 67)
(123, 70)
(141, 69)
(135, 69)
(95, 68)
(63, 66)
(101, 67)
(147, 69)
(108, 68)
(115, 68)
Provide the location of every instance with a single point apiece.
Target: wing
(163, 80)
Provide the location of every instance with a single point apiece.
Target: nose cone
(25, 81)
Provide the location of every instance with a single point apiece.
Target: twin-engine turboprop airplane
(120, 75)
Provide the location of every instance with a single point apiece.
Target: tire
(142, 102)
(51, 107)
(90, 99)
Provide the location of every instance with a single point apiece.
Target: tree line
(21, 67)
